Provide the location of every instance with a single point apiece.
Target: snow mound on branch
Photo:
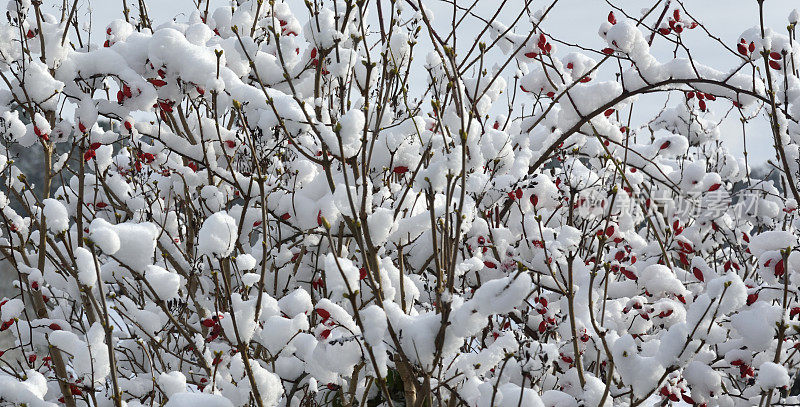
(103, 235)
(172, 383)
(217, 236)
(56, 215)
(771, 240)
(198, 399)
(30, 391)
(165, 283)
(772, 375)
(87, 275)
(137, 242)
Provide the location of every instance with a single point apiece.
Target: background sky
(575, 21)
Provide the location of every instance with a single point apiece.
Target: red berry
(323, 313)
(742, 49)
(684, 260)
(779, 269)
(165, 106)
(698, 274)
(627, 273)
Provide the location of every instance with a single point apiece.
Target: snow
(197, 399)
(165, 283)
(342, 276)
(27, 392)
(56, 215)
(771, 240)
(217, 236)
(172, 383)
(772, 375)
(756, 326)
(351, 127)
(11, 309)
(87, 273)
(246, 262)
(103, 235)
(295, 303)
(266, 188)
(642, 372)
(137, 241)
(703, 380)
(509, 395)
(90, 357)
